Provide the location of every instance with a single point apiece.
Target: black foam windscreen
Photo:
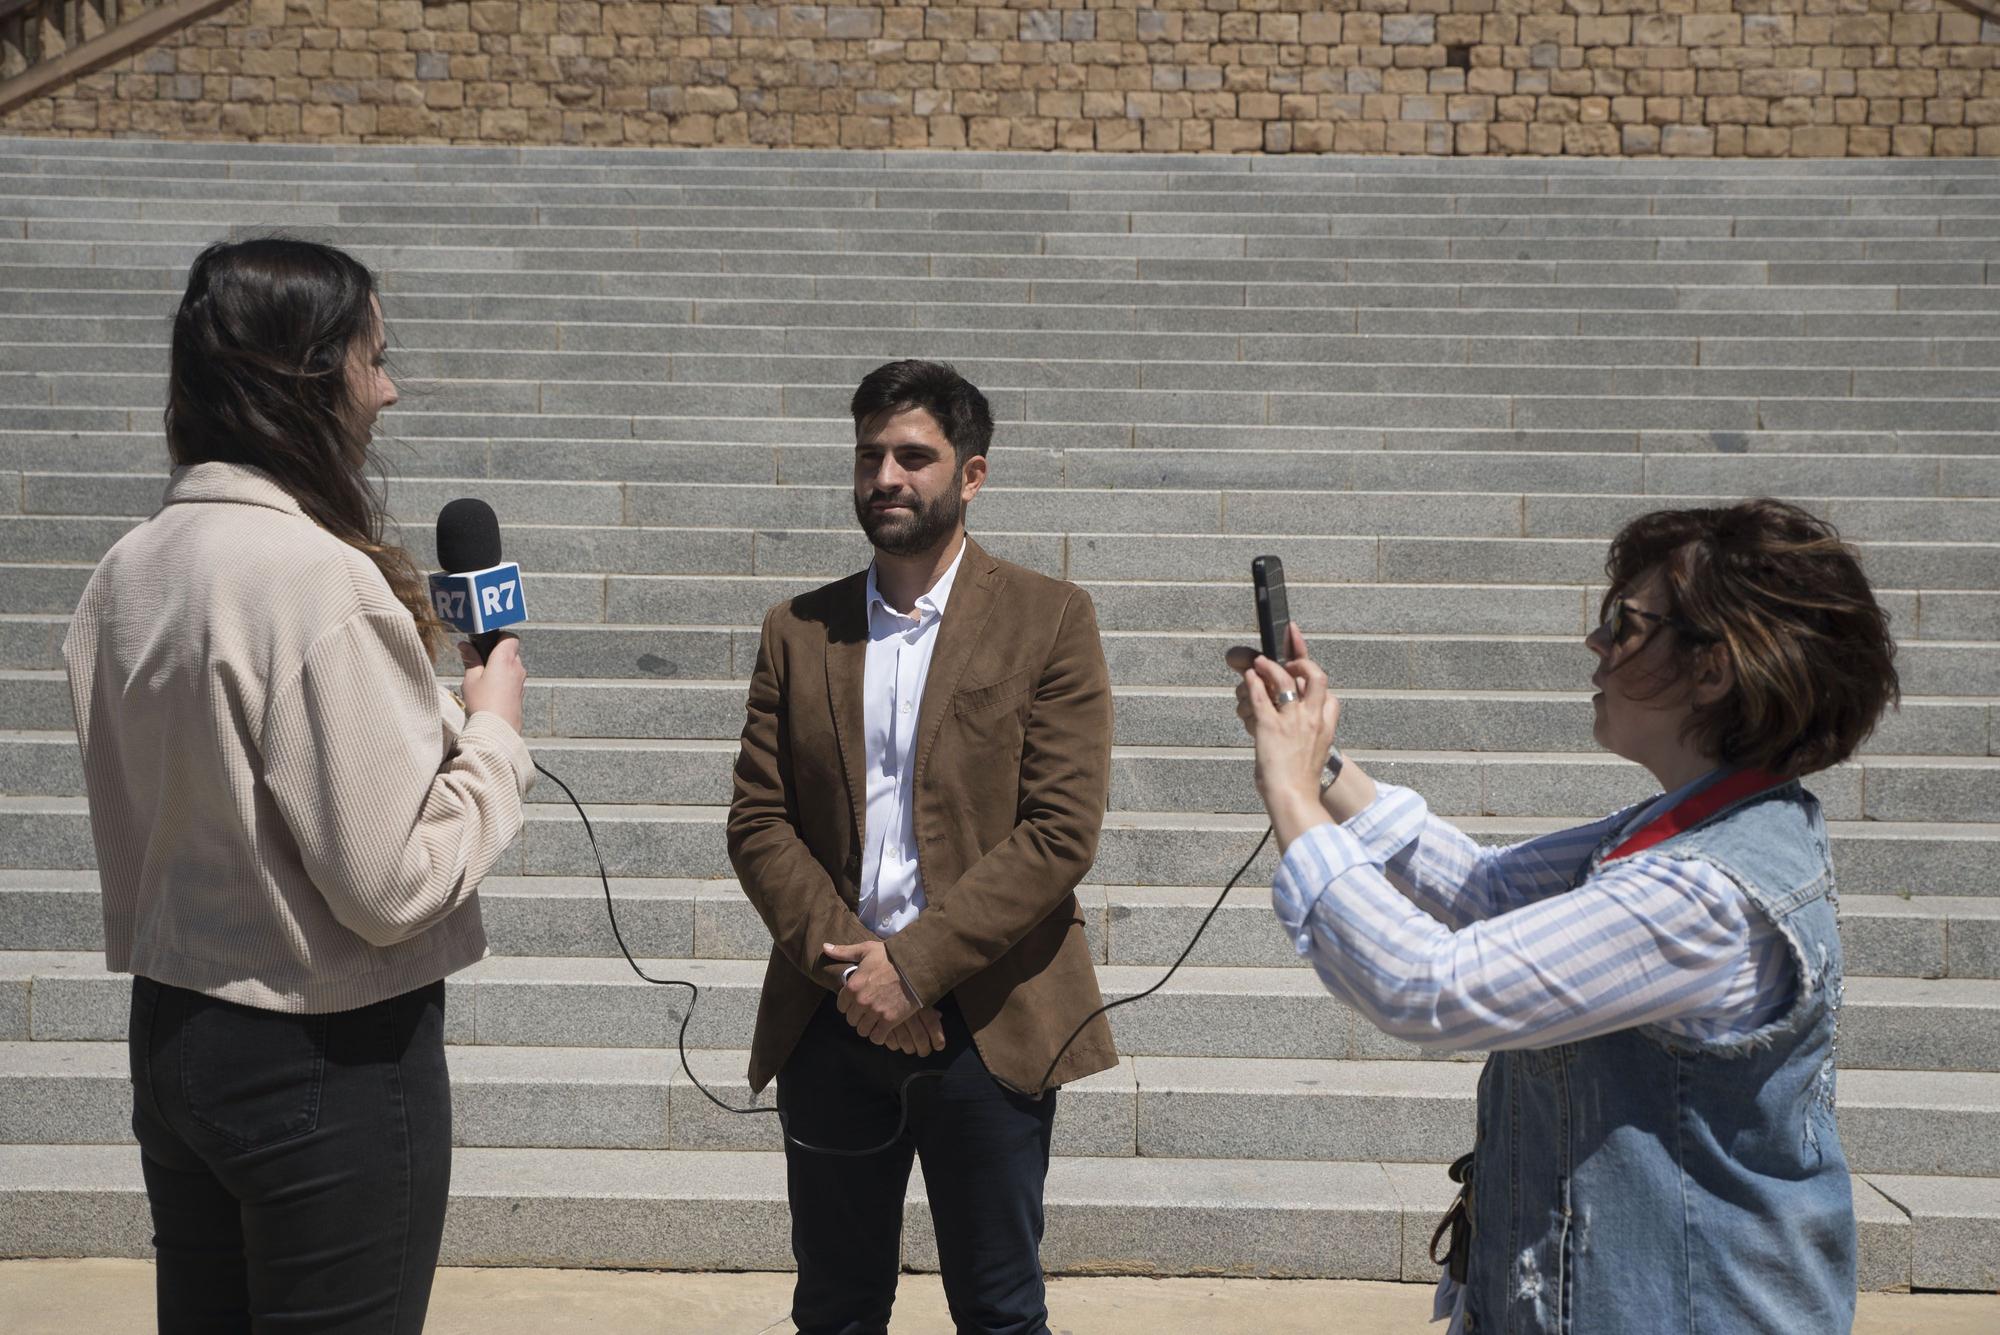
(468, 536)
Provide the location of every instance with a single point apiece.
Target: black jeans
(985, 1151)
(297, 1165)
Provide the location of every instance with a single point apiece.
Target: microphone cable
(903, 1091)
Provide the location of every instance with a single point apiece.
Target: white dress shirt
(892, 692)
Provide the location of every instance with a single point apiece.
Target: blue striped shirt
(1453, 947)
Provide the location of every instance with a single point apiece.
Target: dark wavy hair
(1815, 664)
(259, 376)
(954, 402)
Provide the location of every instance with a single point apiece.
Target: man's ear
(973, 477)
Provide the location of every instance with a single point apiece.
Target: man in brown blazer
(920, 788)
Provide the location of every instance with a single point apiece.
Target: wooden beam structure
(118, 41)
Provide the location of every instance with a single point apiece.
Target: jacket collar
(930, 605)
(229, 484)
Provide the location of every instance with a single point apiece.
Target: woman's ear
(1714, 674)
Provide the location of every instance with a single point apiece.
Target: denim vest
(1642, 1182)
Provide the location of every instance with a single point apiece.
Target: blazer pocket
(1006, 691)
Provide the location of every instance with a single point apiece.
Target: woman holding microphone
(1658, 989)
(290, 816)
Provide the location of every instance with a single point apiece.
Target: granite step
(1193, 607)
(1233, 510)
(1075, 202)
(669, 692)
(580, 549)
(1930, 1123)
(1078, 204)
(1229, 176)
(1634, 309)
(1378, 309)
(957, 260)
(39, 217)
(1888, 1023)
(615, 328)
(1136, 847)
(1359, 397)
(1098, 455)
(130, 343)
(1784, 233)
(697, 772)
(667, 1209)
(546, 264)
(1218, 176)
(1554, 610)
(1121, 604)
(1921, 936)
(726, 1210)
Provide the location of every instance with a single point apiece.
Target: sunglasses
(1621, 619)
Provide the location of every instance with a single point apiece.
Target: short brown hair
(953, 402)
(1815, 665)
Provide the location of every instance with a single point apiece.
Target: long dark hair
(259, 376)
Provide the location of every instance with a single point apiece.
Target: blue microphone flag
(476, 601)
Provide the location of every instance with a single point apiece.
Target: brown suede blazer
(1012, 768)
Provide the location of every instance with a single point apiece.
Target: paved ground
(64, 1297)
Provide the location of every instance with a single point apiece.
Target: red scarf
(1692, 811)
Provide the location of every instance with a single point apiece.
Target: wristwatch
(1331, 770)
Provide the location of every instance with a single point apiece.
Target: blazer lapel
(846, 673)
(965, 618)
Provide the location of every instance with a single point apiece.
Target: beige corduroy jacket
(288, 810)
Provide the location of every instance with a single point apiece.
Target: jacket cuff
(908, 991)
(498, 734)
(910, 986)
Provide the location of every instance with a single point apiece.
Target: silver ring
(1287, 697)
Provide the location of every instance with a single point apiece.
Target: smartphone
(1274, 619)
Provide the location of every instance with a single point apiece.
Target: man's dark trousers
(985, 1151)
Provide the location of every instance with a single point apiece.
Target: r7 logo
(499, 598)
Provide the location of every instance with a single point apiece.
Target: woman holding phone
(291, 818)
(1657, 989)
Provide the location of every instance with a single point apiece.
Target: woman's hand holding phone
(1292, 740)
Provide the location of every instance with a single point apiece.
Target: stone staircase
(1434, 387)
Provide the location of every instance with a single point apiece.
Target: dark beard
(921, 529)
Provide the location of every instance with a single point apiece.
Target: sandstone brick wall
(1763, 78)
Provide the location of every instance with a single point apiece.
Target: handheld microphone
(476, 592)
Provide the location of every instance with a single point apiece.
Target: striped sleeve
(1650, 940)
(1451, 877)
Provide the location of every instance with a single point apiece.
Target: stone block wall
(1695, 78)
